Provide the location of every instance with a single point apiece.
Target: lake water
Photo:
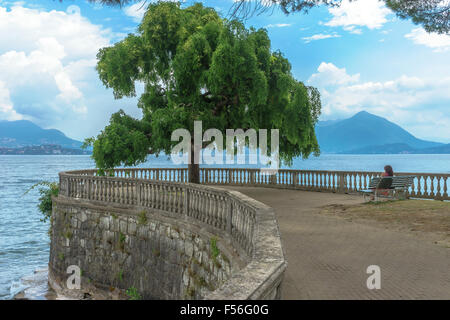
(24, 243)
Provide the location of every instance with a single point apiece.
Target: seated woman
(388, 172)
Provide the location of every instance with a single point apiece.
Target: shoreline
(36, 287)
(42, 286)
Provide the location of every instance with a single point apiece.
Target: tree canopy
(433, 15)
(197, 66)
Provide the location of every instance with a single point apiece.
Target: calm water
(24, 243)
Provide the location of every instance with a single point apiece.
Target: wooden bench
(396, 186)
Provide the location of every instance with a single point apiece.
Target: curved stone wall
(167, 240)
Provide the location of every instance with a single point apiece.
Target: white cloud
(23, 27)
(352, 29)
(265, 3)
(438, 42)
(136, 11)
(368, 13)
(320, 36)
(7, 111)
(47, 62)
(278, 25)
(328, 74)
(419, 105)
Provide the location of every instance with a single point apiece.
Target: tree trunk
(194, 173)
(193, 168)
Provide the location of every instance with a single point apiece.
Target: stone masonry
(161, 258)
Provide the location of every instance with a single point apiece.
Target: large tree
(433, 15)
(197, 66)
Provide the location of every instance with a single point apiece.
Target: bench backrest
(381, 183)
(402, 182)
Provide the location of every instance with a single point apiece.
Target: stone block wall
(161, 257)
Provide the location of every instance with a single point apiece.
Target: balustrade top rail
(425, 185)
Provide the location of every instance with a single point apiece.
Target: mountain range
(24, 133)
(366, 133)
(363, 133)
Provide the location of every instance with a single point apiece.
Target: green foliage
(190, 292)
(433, 15)
(46, 190)
(122, 239)
(123, 141)
(197, 66)
(120, 275)
(142, 219)
(133, 294)
(67, 234)
(214, 249)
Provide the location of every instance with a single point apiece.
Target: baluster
(425, 186)
(438, 194)
(153, 196)
(432, 191)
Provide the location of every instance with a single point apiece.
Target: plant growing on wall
(46, 190)
(133, 294)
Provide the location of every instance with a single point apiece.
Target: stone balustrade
(248, 225)
(426, 185)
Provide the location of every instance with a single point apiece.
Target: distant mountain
(23, 133)
(444, 149)
(48, 149)
(392, 148)
(365, 130)
(399, 148)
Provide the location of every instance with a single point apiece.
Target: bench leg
(400, 194)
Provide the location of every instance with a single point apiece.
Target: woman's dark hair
(388, 170)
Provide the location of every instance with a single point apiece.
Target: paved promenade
(328, 256)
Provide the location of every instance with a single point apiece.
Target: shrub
(46, 190)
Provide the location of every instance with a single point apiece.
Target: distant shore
(49, 149)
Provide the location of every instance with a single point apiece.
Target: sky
(360, 56)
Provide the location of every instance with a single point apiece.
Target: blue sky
(360, 56)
